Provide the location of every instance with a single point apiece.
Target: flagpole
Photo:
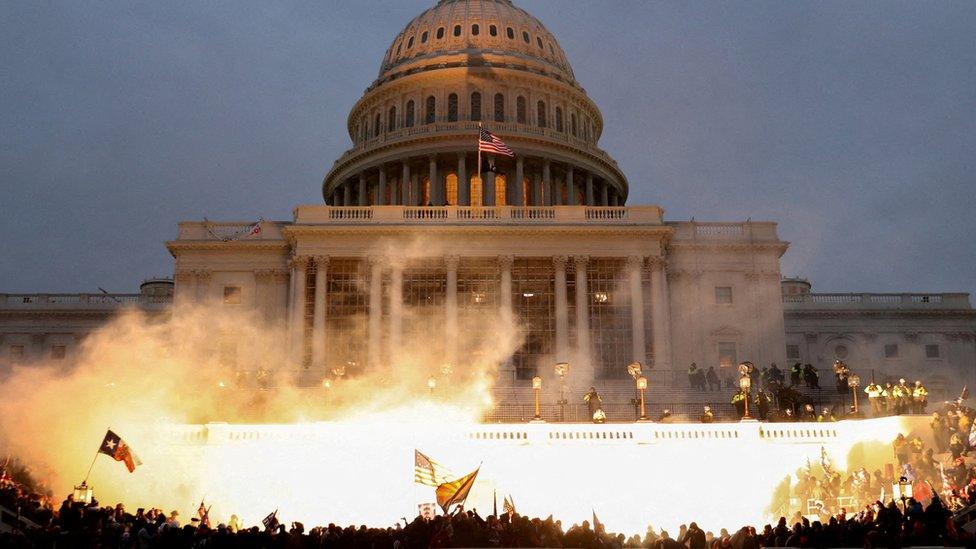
(479, 154)
(90, 467)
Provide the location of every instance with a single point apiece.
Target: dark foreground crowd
(94, 526)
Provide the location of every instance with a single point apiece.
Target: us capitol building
(411, 241)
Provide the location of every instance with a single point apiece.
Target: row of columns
(660, 307)
(407, 191)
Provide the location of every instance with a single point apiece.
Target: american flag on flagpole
(429, 472)
(489, 143)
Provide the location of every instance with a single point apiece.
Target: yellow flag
(456, 491)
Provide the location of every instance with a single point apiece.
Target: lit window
(723, 295)
(16, 352)
(793, 352)
(726, 354)
(232, 295)
(891, 350)
(58, 352)
(932, 351)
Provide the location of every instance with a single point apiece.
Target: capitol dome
(459, 65)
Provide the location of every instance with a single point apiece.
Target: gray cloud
(853, 125)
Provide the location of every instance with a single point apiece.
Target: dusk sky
(851, 124)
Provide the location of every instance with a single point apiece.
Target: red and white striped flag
(489, 142)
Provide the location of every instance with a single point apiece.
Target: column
(381, 188)
(505, 263)
(464, 186)
(488, 189)
(518, 185)
(635, 268)
(318, 315)
(362, 189)
(347, 193)
(582, 310)
(451, 306)
(415, 182)
(396, 308)
(589, 190)
(570, 188)
(547, 182)
(537, 190)
(562, 310)
(660, 312)
(435, 195)
(405, 185)
(299, 270)
(375, 309)
(604, 194)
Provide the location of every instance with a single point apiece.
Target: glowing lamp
(537, 387)
(601, 297)
(537, 382)
(326, 383)
(902, 489)
(642, 386)
(431, 383)
(83, 493)
(745, 383)
(642, 383)
(853, 381)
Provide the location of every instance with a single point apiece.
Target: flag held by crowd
(204, 513)
(509, 506)
(825, 462)
(270, 522)
(455, 492)
(489, 143)
(116, 448)
(429, 472)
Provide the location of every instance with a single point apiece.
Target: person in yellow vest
(920, 397)
(901, 395)
(888, 399)
(873, 390)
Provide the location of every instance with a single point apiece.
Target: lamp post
(562, 368)
(853, 381)
(745, 383)
(83, 493)
(431, 384)
(902, 490)
(537, 388)
(642, 386)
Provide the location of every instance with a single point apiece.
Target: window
(457, 30)
(440, 33)
(539, 41)
(793, 352)
(409, 119)
(475, 30)
(540, 115)
(410, 43)
(476, 107)
(520, 110)
(431, 113)
(16, 352)
(932, 351)
(499, 107)
(493, 30)
(726, 354)
(391, 120)
(891, 350)
(58, 352)
(510, 33)
(452, 107)
(398, 48)
(423, 38)
(551, 50)
(723, 295)
(525, 37)
(232, 295)
(841, 351)
(559, 119)
(376, 125)
(572, 124)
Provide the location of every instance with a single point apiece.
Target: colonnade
(300, 331)
(423, 181)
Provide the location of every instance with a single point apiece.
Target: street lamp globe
(642, 383)
(745, 383)
(537, 382)
(431, 383)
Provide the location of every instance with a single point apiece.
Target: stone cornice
(176, 246)
(443, 228)
(737, 245)
(788, 312)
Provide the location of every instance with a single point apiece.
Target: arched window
(499, 107)
(391, 120)
(493, 30)
(410, 43)
(363, 129)
(525, 37)
(409, 118)
(586, 130)
(537, 41)
(476, 107)
(431, 113)
(452, 107)
(376, 125)
(572, 124)
(510, 33)
(423, 37)
(398, 49)
(559, 119)
(457, 30)
(475, 30)
(520, 110)
(540, 114)
(551, 50)
(440, 33)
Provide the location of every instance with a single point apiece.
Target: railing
(867, 301)
(112, 300)
(718, 230)
(702, 230)
(314, 214)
